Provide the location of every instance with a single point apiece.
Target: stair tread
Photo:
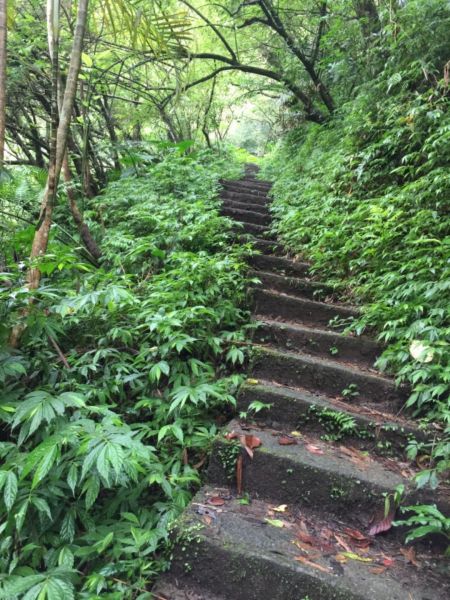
(348, 367)
(351, 310)
(245, 556)
(369, 411)
(318, 341)
(332, 457)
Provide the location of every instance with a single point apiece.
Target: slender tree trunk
(84, 231)
(3, 38)
(59, 134)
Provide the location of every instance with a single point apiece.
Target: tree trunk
(59, 137)
(3, 38)
(85, 234)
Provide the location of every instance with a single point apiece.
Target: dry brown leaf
(216, 501)
(250, 442)
(410, 555)
(355, 534)
(305, 561)
(207, 520)
(342, 543)
(286, 440)
(377, 570)
(341, 558)
(314, 449)
(388, 561)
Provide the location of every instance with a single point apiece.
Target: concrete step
(267, 247)
(293, 286)
(280, 265)
(253, 185)
(259, 231)
(258, 208)
(243, 196)
(309, 473)
(318, 342)
(325, 377)
(371, 426)
(234, 549)
(246, 216)
(300, 310)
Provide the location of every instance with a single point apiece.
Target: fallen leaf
(305, 561)
(231, 435)
(377, 570)
(296, 434)
(342, 543)
(207, 520)
(250, 442)
(239, 475)
(355, 534)
(216, 501)
(286, 440)
(314, 449)
(252, 381)
(281, 509)
(341, 558)
(382, 525)
(275, 522)
(410, 555)
(388, 561)
(354, 556)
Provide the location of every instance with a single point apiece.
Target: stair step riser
(298, 309)
(252, 186)
(309, 413)
(294, 286)
(245, 197)
(243, 575)
(325, 377)
(279, 479)
(257, 208)
(246, 216)
(254, 230)
(266, 247)
(319, 343)
(280, 265)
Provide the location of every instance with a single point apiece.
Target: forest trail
(326, 447)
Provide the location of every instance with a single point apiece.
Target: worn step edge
(301, 310)
(324, 376)
(244, 558)
(246, 216)
(303, 410)
(293, 286)
(318, 342)
(295, 475)
(281, 265)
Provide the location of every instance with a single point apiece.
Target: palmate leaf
(146, 26)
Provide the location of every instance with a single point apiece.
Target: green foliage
(110, 401)
(426, 519)
(365, 198)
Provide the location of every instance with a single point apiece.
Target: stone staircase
(315, 464)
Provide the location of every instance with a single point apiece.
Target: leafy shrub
(109, 405)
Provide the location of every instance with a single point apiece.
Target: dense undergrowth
(366, 198)
(108, 406)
